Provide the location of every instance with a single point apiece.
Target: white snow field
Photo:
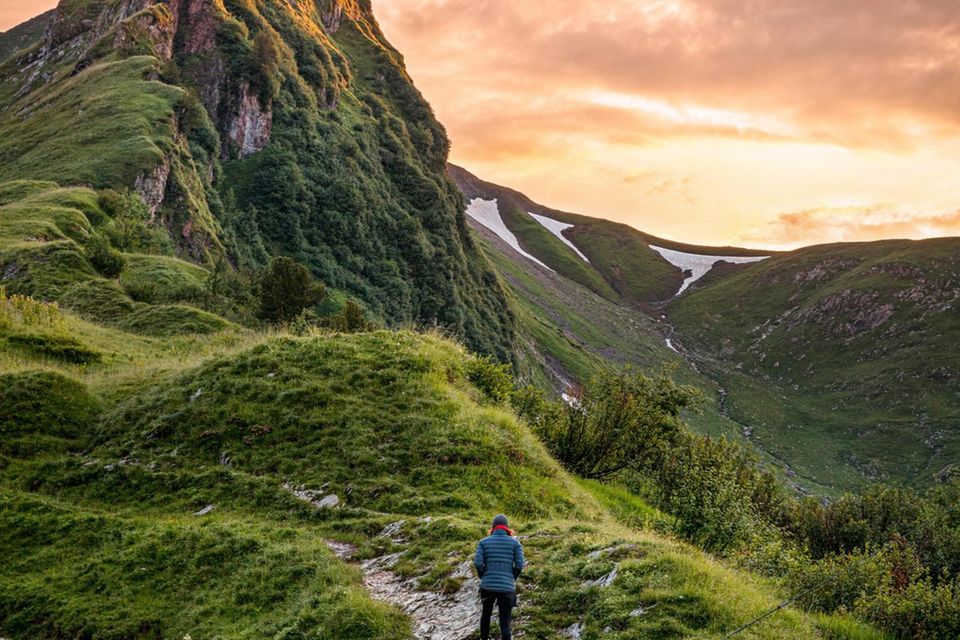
(487, 213)
(557, 228)
(699, 265)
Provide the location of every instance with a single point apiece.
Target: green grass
(172, 320)
(839, 356)
(125, 127)
(162, 279)
(106, 544)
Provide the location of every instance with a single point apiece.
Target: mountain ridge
(250, 129)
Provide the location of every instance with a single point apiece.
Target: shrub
(286, 289)
(130, 230)
(617, 423)
(23, 311)
(105, 259)
(492, 379)
(352, 319)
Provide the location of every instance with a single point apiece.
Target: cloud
(857, 72)
(855, 223)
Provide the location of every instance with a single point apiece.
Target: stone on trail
(435, 616)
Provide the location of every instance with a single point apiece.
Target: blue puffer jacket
(499, 561)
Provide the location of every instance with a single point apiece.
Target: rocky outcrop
(197, 21)
(152, 186)
(435, 616)
(157, 25)
(332, 12)
(250, 127)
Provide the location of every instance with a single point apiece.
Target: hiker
(499, 562)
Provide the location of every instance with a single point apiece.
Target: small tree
(351, 319)
(286, 289)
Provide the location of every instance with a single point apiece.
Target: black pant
(505, 601)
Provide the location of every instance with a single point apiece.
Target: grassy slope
(43, 232)
(101, 528)
(126, 127)
(853, 346)
(569, 334)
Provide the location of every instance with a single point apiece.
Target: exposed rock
(846, 314)
(329, 502)
(250, 128)
(606, 580)
(157, 26)
(207, 509)
(317, 497)
(393, 530)
(574, 631)
(342, 550)
(641, 610)
(198, 21)
(333, 11)
(435, 616)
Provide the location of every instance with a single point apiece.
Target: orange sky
(757, 122)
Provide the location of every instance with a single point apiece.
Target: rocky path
(435, 616)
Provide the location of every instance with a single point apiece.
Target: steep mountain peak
(252, 128)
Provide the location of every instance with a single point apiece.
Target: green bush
(494, 380)
(286, 289)
(130, 229)
(619, 422)
(105, 259)
(351, 319)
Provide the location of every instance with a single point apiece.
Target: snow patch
(557, 228)
(699, 265)
(670, 344)
(487, 213)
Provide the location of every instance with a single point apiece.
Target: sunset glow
(770, 124)
(773, 123)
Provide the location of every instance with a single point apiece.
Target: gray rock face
(435, 616)
(251, 126)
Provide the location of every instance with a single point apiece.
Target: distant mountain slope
(620, 264)
(23, 35)
(567, 333)
(250, 129)
(837, 361)
(843, 358)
